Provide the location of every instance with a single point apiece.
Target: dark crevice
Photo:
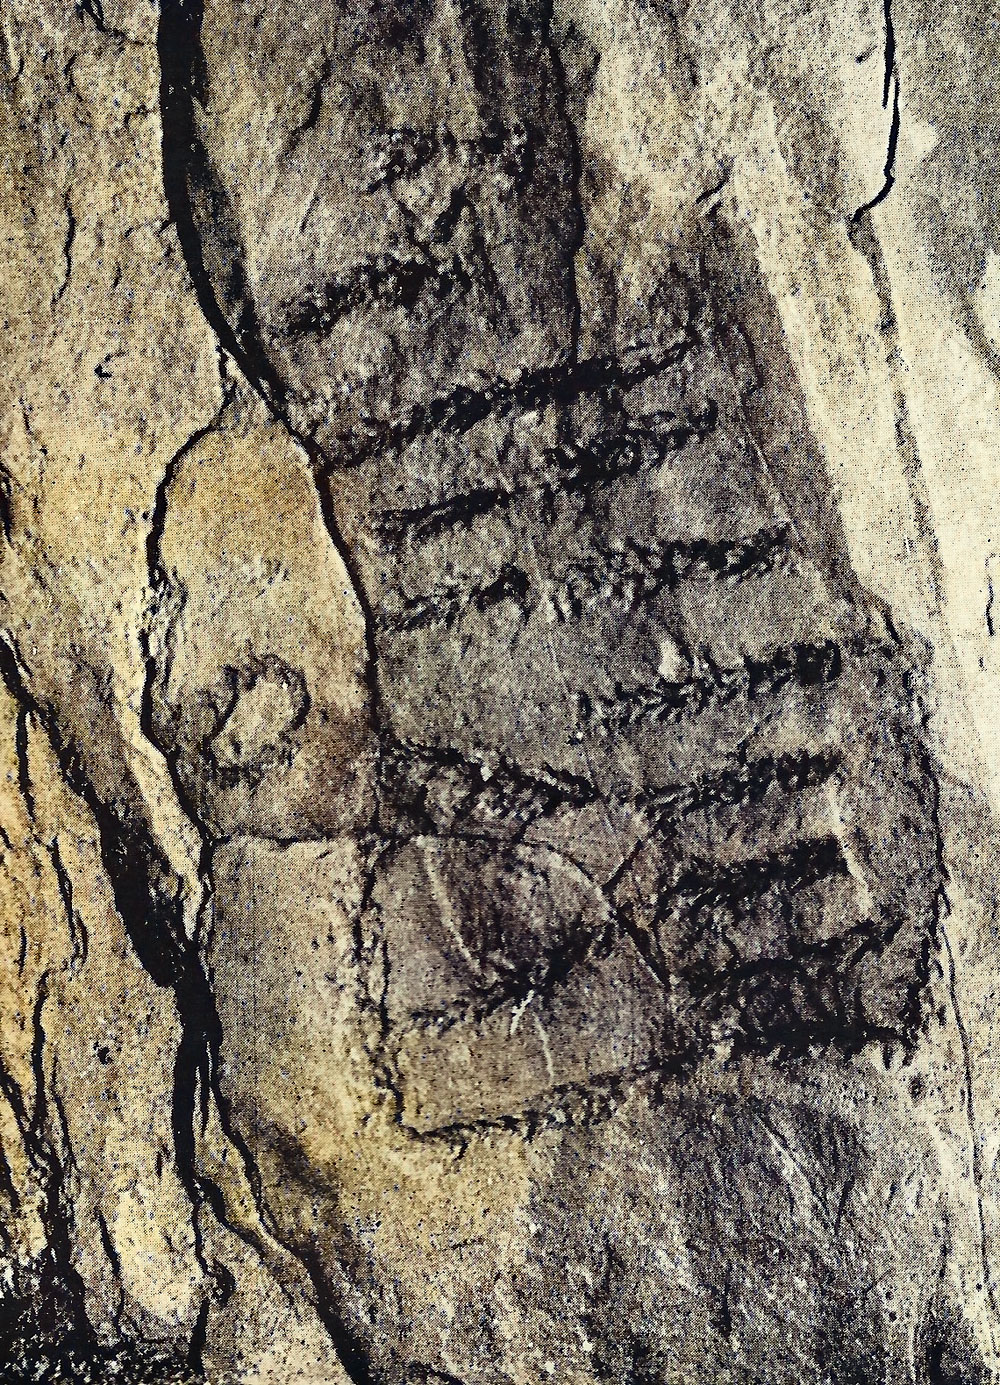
(68, 243)
(94, 11)
(890, 87)
(197, 1060)
(6, 503)
(199, 1336)
(154, 926)
(311, 118)
(182, 81)
(108, 1246)
(9, 1191)
(79, 940)
(41, 1150)
(890, 51)
(889, 170)
(158, 515)
(990, 599)
(21, 730)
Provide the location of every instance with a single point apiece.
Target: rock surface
(498, 798)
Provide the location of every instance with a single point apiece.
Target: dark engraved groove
(744, 784)
(633, 573)
(804, 665)
(446, 605)
(459, 411)
(386, 283)
(505, 790)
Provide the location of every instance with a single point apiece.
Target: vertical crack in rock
(6, 503)
(890, 89)
(182, 80)
(23, 768)
(77, 928)
(182, 74)
(159, 593)
(889, 170)
(67, 251)
(114, 1260)
(159, 943)
(58, 1217)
